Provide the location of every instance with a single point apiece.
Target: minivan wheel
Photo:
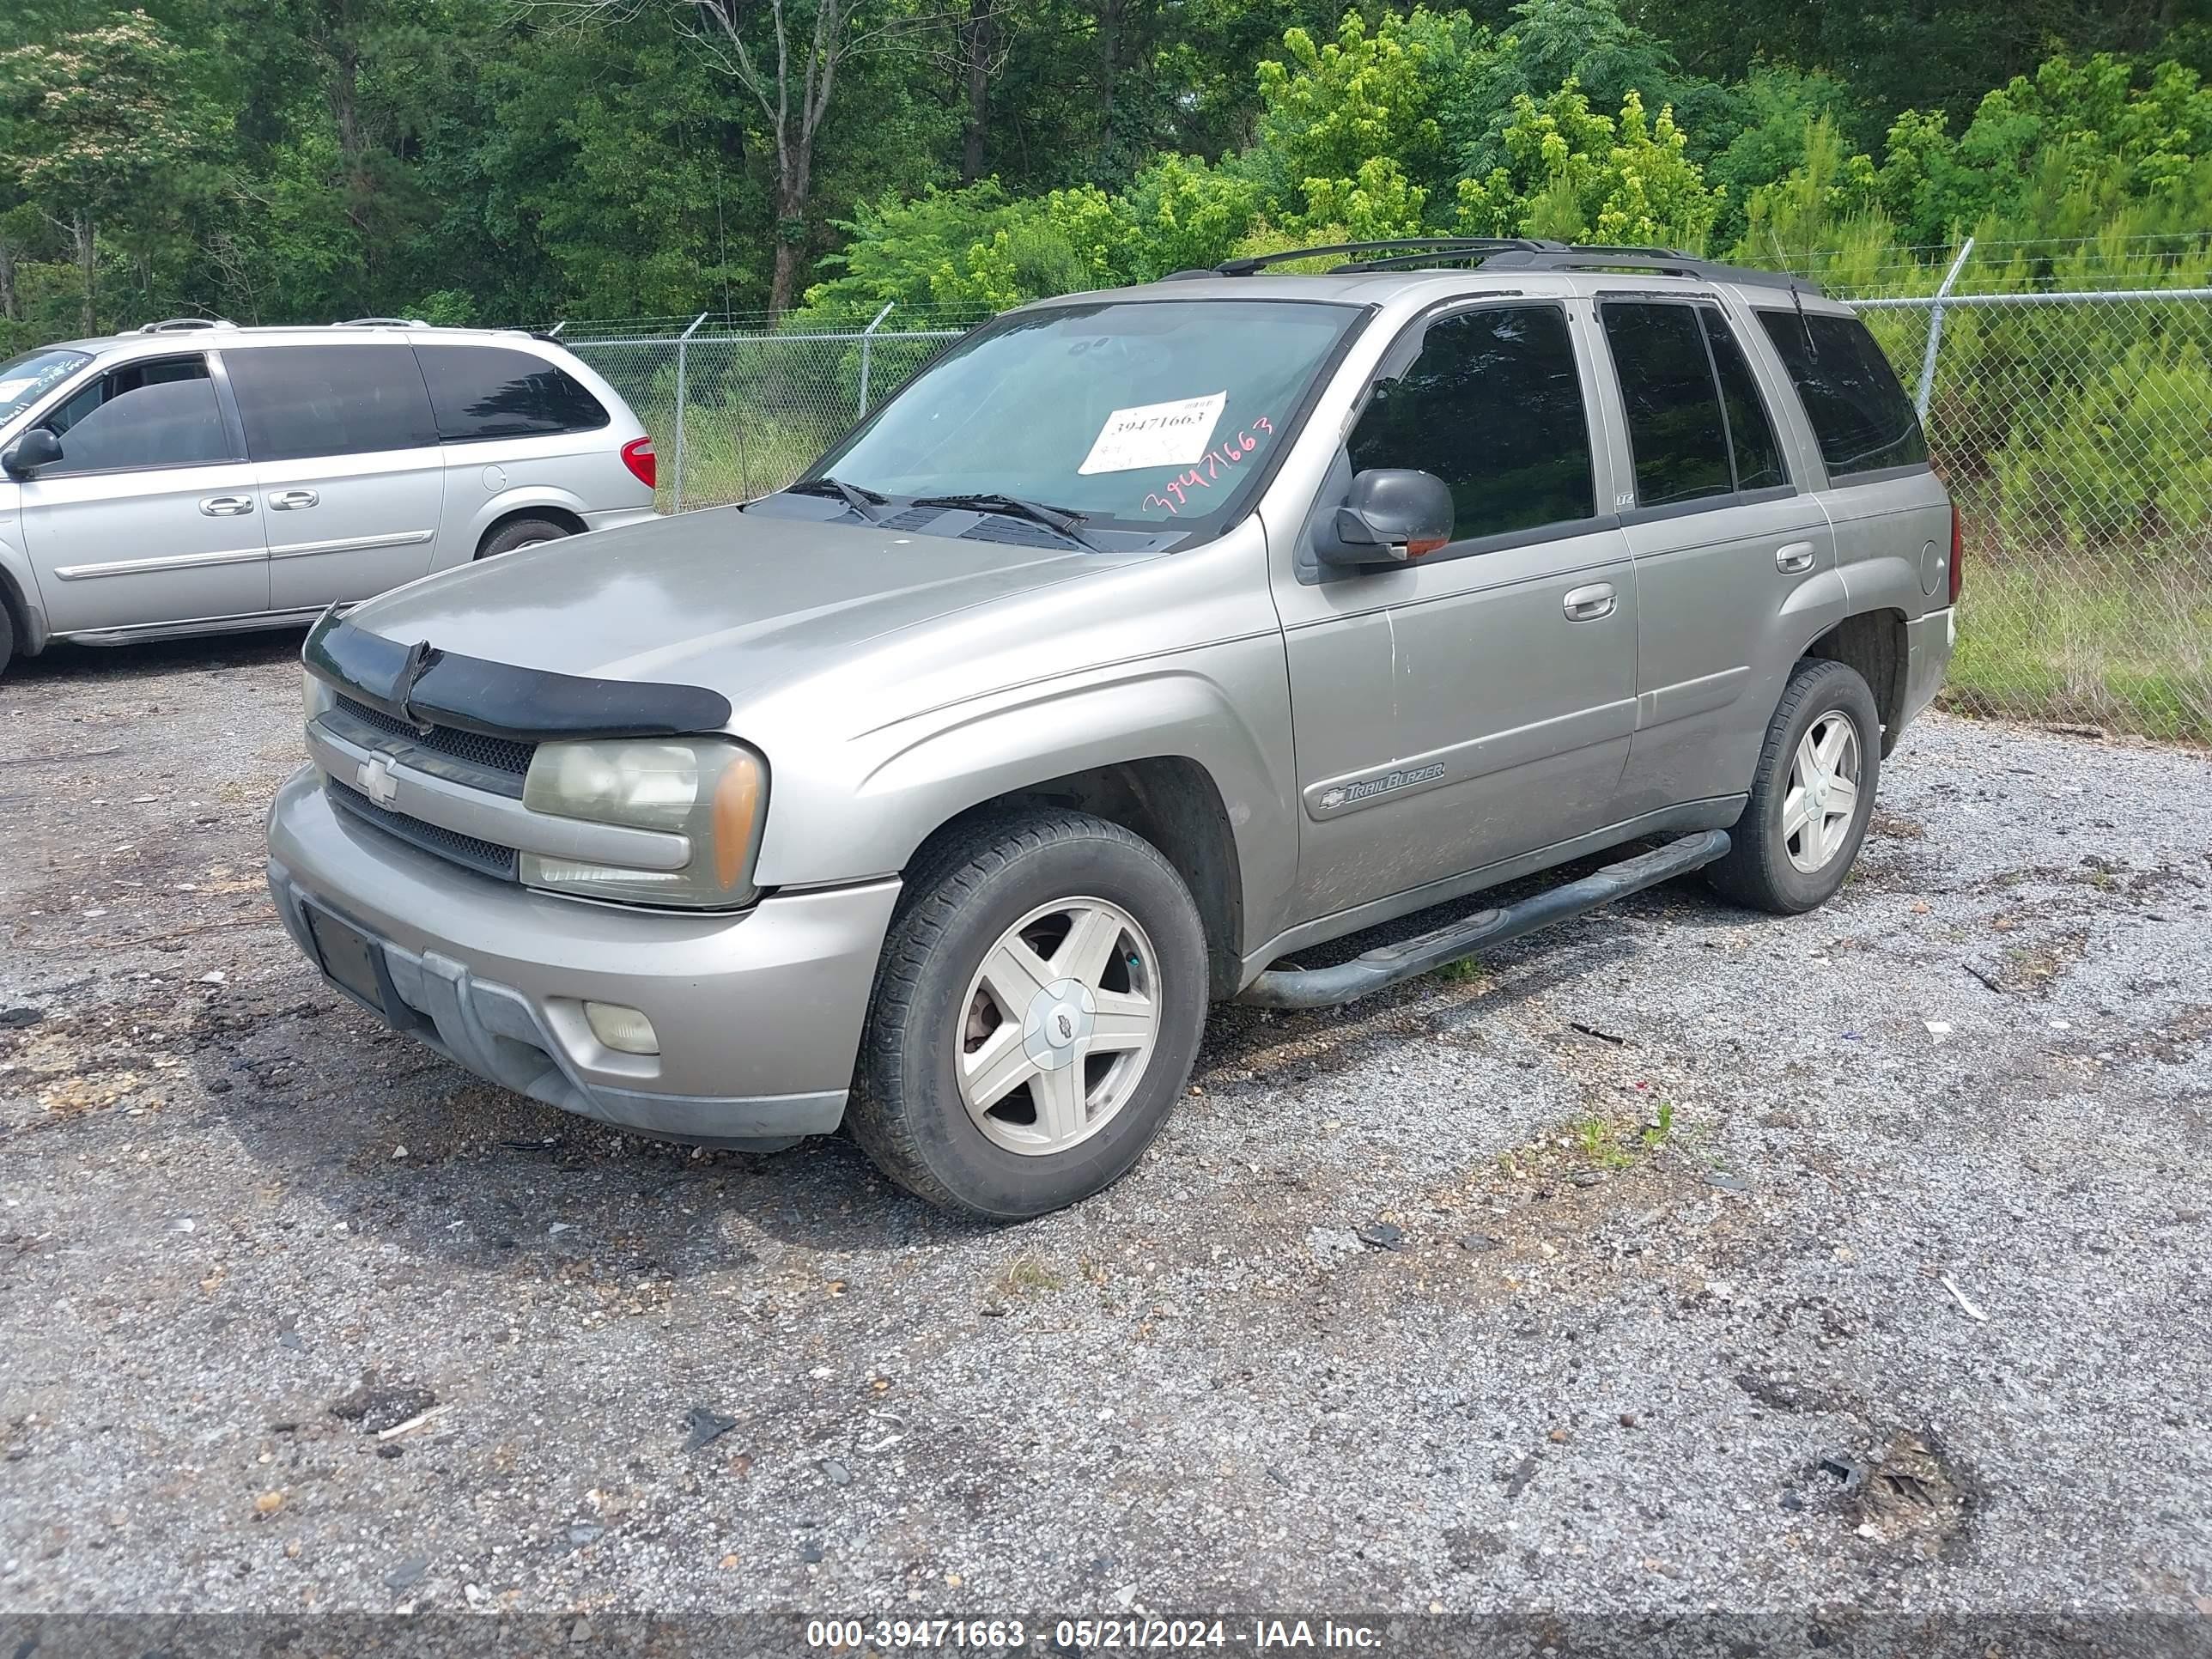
(523, 532)
(1811, 796)
(1037, 1013)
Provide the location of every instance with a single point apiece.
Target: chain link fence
(2074, 427)
(735, 415)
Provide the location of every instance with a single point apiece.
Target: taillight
(637, 456)
(1957, 547)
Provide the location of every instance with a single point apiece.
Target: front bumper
(1929, 643)
(758, 1015)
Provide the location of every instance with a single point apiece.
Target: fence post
(555, 332)
(1935, 333)
(683, 399)
(867, 343)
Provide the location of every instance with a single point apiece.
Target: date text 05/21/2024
(1131, 1633)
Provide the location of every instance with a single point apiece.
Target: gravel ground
(1674, 1259)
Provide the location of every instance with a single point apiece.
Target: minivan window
(1493, 407)
(491, 392)
(23, 379)
(1859, 412)
(1675, 429)
(1145, 414)
(143, 414)
(303, 401)
(1750, 434)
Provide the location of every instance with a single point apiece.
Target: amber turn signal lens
(737, 798)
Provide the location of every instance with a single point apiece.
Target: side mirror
(36, 449)
(1392, 514)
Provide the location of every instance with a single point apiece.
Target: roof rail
(1510, 254)
(381, 322)
(182, 325)
(1485, 245)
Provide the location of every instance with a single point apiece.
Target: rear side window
(487, 392)
(1675, 428)
(143, 414)
(1750, 434)
(1860, 414)
(304, 401)
(1493, 407)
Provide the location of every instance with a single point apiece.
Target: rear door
(347, 466)
(1734, 565)
(150, 516)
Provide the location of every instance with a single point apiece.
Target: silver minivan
(194, 477)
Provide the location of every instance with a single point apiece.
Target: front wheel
(1037, 1014)
(1811, 796)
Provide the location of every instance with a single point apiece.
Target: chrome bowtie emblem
(376, 780)
(1064, 1023)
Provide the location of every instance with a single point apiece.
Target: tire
(952, 1017)
(1766, 866)
(7, 636)
(523, 532)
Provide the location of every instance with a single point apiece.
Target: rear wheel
(6, 637)
(523, 532)
(1038, 1008)
(1811, 796)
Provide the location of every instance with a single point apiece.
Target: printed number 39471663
(1229, 452)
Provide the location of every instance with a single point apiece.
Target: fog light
(625, 1030)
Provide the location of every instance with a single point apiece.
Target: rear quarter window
(1860, 415)
(491, 392)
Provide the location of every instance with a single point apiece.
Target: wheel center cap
(1058, 1019)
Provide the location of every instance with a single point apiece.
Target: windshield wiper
(862, 500)
(1014, 507)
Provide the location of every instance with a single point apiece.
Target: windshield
(1140, 415)
(23, 378)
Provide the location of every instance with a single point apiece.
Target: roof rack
(182, 325)
(381, 322)
(1517, 253)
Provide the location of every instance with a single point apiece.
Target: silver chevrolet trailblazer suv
(193, 477)
(1144, 643)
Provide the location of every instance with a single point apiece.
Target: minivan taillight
(637, 456)
(1957, 547)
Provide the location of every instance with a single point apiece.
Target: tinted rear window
(1674, 425)
(485, 391)
(302, 401)
(1860, 414)
(1758, 456)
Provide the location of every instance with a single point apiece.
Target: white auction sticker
(1155, 435)
(10, 390)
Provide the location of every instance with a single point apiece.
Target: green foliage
(1583, 177)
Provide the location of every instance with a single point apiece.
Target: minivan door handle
(1589, 603)
(286, 500)
(1793, 556)
(226, 507)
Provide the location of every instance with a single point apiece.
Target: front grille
(487, 856)
(498, 754)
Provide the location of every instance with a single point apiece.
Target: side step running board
(1325, 987)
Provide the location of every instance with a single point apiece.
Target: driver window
(1494, 408)
(142, 414)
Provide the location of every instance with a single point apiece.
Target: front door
(1474, 703)
(150, 515)
(347, 464)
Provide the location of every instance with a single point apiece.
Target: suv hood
(713, 598)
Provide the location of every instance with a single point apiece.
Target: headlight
(708, 789)
(314, 696)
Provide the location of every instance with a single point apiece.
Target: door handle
(226, 507)
(1589, 603)
(285, 500)
(1793, 556)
